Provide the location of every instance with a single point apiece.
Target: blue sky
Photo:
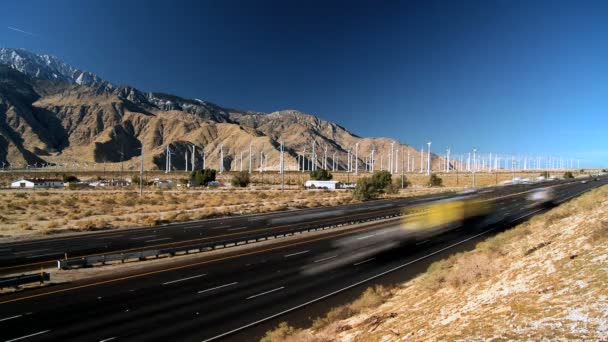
(505, 76)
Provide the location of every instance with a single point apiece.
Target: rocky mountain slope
(51, 112)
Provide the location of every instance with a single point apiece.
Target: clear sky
(505, 76)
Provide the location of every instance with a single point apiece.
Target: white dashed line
(330, 257)
(30, 335)
(363, 262)
(298, 253)
(161, 239)
(184, 279)
(12, 317)
(218, 287)
(267, 292)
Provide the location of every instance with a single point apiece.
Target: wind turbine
(428, 161)
(356, 159)
(250, 156)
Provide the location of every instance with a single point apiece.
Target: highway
(228, 297)
(26, 255)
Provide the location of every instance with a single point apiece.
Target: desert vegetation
(50, 212)
(544, 279)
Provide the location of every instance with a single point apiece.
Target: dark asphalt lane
(205, 301)
(23, 255)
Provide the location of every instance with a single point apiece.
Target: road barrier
(99, 260)
(16, 281)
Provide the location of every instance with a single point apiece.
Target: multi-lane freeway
(226, 297)
(32, 254)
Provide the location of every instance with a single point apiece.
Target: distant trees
(435, 180)
(202, 177)
(365, 190)
(70, 179)
(370, 187)
(241, 179)
(381, 179)
(320, 174)
(545, 174)
(568, 175)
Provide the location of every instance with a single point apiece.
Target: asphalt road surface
(229, 297)
(32, 254)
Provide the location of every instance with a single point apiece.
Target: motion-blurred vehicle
(418, 224)
(437, 217)
(541, 197)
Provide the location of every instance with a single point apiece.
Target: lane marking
(30, 335)
(528, 214)
(423, 242)
(220, 227)
(42, 255)
(365, 237)
(184, 279)
(267, 292)
(7, 318)
(237, 228)
(32, 251)
(186, 266)
(363, 262)
(330, 257)
(108, 339)
(297, 253)
(142, 237)
(108, 237)
(218, 287)
(161, 239)
(217, 337)
(228, 258)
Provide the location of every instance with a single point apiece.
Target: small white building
(317, 184)
(37, 183)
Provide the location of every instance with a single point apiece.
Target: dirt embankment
(543, 280)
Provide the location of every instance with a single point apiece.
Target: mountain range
(54, 113)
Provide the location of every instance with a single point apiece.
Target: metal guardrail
(25, 279)
(99, 260)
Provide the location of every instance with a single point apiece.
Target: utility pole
(447, 163)
(141, 173)
(356, 159)
(314, 156)
(428, 161)
(193, 157)
(204, 159)
(391, 160)
(421, 158)
(282, 168)
(333, 162)
(403, 168)
(474, 164)
(221, 158)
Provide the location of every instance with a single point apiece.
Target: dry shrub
(371, 298)
(280, 333)
(472, 267)
(182, 216)
(600, 231)
(89, 225)
(151, 221)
